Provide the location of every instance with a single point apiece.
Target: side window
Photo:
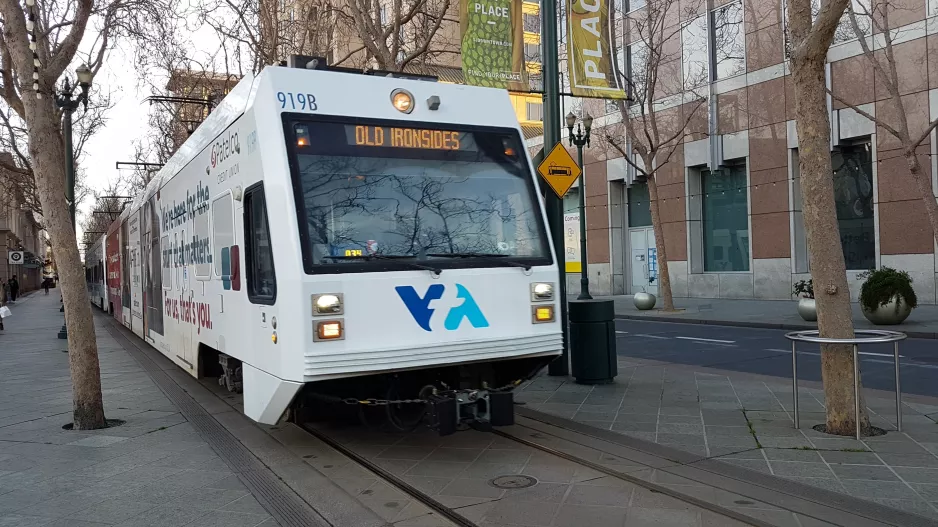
(167, 258)
(222, 231)
(200, 246)
(258, 256)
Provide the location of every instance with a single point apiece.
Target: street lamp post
(580, 139)
(69, 103)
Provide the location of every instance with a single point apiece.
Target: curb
(747, 324)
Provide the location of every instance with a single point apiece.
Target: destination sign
(415, 138)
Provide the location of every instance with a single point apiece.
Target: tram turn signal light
(543, 314)
(329, 330)
(302, 135)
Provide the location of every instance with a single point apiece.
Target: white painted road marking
(651, 336)
(622, 332)
(877, 361)
(707, 340)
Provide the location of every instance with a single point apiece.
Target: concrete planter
(807, 308)
(644, 301)
(887, 314)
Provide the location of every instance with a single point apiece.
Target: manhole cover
(513, 482)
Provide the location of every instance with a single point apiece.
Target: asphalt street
(768, 352)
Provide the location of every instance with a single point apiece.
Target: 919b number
(300, 101)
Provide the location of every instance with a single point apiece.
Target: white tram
(342, 234)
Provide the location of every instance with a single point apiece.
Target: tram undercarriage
(446, 399)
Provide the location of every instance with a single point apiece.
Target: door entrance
(643, 261)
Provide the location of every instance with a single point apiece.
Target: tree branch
(63, 56)
(821, 32)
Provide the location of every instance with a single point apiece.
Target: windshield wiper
(484, 256)
(369, 257)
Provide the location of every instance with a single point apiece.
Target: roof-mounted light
(402, 100)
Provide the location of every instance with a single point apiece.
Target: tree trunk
(48, 154)
(664, 276)
(923, 183)
(828, 270)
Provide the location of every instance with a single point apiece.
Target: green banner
(590, 50)
(493, 43)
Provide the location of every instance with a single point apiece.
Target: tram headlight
(327, 304)
(402, 100)
(329, 330)
(541, 314)
(542, 292)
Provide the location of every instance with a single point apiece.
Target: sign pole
(553, 203)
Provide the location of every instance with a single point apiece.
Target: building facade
(20, 231)
(196, 93)
(730, 200)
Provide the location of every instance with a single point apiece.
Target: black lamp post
(580, 139)
(69, 103)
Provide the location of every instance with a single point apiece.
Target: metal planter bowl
(887, 314)
(644, 301)
(807, 308)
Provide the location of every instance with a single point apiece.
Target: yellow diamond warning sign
(559, 170)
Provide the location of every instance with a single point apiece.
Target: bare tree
(400, 33)
(885, 68)
(648, 135)
(809, 44)
(19, 180)
(107, 207)
(58, 28)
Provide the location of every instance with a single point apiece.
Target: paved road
(767, 352)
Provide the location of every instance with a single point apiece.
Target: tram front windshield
(375, 194)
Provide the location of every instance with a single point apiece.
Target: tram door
(260, 278)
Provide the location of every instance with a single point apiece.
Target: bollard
(593, 341)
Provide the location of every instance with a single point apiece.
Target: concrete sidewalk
(772, 314)
(746, 420)
(159, 468)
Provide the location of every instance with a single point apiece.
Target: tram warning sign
(15, 257)
(559, 170)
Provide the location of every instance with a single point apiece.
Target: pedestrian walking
(45, 285)
(14, 289)
(4, 294)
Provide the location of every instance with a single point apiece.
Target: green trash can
(593, 341)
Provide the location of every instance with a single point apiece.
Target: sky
(128, 119)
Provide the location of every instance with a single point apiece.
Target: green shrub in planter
(803, 288)
(881, 285)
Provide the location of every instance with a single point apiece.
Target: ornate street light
(581, 139)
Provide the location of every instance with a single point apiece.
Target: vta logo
(421, 310)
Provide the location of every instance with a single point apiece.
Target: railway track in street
(553, 465)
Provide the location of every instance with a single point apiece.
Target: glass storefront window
(639, 205)
(725, 219)
(853, 196)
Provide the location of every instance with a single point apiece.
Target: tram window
(167, 253)
(258, 256)
(223, 229)
(201, 252)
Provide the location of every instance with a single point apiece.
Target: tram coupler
(479, 409)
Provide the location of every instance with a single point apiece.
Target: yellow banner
(590, 50)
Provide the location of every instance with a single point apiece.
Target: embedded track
(518, 434)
